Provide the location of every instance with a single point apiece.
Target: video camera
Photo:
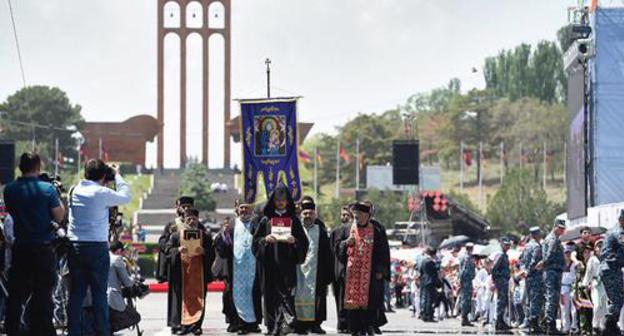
(55, 181)
(138, 290)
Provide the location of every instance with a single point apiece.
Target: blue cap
(505, 241)
(560, 223)
(535, 230)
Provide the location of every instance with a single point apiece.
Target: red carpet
(217, 286)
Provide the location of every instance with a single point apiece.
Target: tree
(195, 183)
(527, 72)
(520, 200)
(41, 113)
(390, 206)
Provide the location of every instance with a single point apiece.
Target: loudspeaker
(7, 161)
(405, 162)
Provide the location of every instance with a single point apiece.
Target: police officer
(533, 269)
(554, 262)
(500, 275)
(467, 273)
(611, 263)
(430, 280)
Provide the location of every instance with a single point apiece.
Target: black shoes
(318, 330)
(466, 323)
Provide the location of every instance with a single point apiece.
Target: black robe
(339, 275)
(384, 259)
(324, 273)
(174, 300)
(278, 267)
(161, 263)
(225, 250)
(374, 315)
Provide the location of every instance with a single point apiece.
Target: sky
(344, 57)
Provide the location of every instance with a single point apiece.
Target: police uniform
(611, 263)
(429, 281)
(500, 275)
(467, 273)
(554, 262)
(534, 283)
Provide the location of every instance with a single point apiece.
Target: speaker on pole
(405, 162)
(7, 161)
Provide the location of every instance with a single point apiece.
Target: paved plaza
(153, 310)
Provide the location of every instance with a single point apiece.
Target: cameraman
(33, 204)
(122, 316)
(89, 202)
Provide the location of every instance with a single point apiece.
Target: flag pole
(56, 155)
(315, 173)
(79, 155)
(357, 164)
(544, 177)
(338, 169)
(502, 161)
(100, 149)
(481, 175)
(461, 166)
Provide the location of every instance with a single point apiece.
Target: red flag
(468, 158)
(304, 156)
(362, 162)
(83, 152)
(343, 155)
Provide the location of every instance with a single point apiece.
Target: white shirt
(88, 209)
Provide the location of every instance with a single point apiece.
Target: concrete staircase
(157, 208)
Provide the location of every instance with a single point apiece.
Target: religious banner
(270, 140)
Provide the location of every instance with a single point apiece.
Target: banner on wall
(270, 140)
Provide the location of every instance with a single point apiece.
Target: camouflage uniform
(554, 261)
(611, 263)
(500, 275)
(534, 280)
(467, 273)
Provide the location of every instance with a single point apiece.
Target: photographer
(33, 205)
(89, 202)
(122, 316)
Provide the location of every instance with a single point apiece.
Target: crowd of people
(577, 282)
(61, 266)
(277, 263)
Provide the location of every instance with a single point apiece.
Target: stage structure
(595, 159)
(183, 18)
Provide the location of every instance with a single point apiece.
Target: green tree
(520, 200)
(463, 200)
(41, 113)
(527, 72)
(195, 183)
(390, 206)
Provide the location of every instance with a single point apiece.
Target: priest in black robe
(315, 274)
(279, 244)
(384, 257)
(242, 295)
(346, 219)
(188, 275)
(181, 204)
(363, 248)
